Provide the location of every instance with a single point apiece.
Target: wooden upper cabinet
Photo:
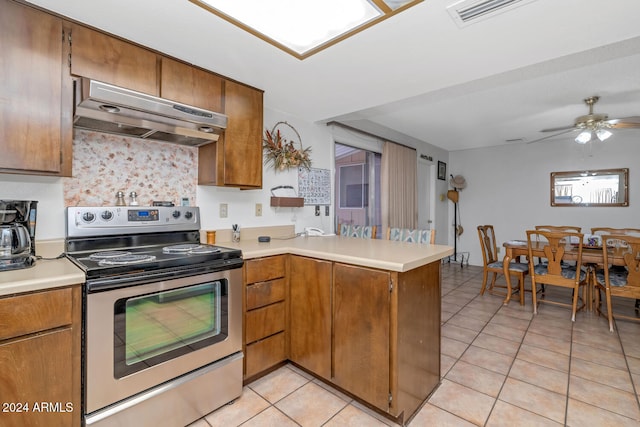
(243, 136)
(236, 159)
(108, 59)
(35, 96)
(190, 85)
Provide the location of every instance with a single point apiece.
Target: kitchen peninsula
(362, 315)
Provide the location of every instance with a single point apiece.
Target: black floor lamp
(458, 183)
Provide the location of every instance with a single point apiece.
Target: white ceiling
(417, 73)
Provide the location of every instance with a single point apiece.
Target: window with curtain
(357, 187)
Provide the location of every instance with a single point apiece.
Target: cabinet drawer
(265, 293)
(264, 354)
(30, 313)
(264, 269)
(264, 321)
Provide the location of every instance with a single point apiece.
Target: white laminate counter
(45, 274)
(374, 253)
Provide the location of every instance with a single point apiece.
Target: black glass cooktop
(122, 261)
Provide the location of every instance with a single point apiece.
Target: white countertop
(45, 274)
(375, 253)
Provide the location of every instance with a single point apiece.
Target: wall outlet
(258, 209)
(224, 210)
(317, 210)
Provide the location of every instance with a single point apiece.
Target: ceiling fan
(593, 126)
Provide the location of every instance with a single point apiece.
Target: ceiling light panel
(303, 28)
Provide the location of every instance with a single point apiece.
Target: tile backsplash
(104, 164)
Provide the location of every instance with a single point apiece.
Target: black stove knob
(88, 216)
(188, 214)
(176, 214)
(107, 215)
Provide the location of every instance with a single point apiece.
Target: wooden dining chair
(626, 231)
(618, 280)
(361, 231)
(493, 265)
(572, 228)
(556, 245)
(609, 230)
(412, 235)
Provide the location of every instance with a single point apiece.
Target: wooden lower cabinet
(361, 328)
(372, 333)
(310, 314)
(265, 314)
(265, 321)
(40, 358)
(265, 353)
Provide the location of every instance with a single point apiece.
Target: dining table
(591, 256)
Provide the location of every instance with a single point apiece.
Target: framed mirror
(605, 187)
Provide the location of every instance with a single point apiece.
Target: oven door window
(153, 328)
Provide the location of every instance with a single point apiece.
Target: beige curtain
(399, 190)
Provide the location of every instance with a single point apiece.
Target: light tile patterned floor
(501, 366)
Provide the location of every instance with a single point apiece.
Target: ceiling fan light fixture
(603, 134)
(584, 137)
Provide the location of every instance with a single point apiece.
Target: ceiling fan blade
(626, 123)
(558, 129)
(551, 136)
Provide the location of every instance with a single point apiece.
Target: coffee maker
(17, 234)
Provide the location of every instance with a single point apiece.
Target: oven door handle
(115, 282)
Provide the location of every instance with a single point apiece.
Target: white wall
(509, 186)
(241, 203)
(47, 191)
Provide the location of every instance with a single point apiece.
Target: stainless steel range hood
(106, 108)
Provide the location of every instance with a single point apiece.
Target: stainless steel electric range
(162, 315)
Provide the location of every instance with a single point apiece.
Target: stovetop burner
(108, 254)
(190, 248)
(126, 259)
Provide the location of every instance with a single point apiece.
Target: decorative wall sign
(315, 186)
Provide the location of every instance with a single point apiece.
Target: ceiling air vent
(469, 11)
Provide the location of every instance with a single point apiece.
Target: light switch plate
(258, 209)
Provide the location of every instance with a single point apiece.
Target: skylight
(303, 28)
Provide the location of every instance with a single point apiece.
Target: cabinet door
(361, 325)
(35, 132)
(36, 370)
(236, 159)
(190, 85)
(310, 311)
(111, 60)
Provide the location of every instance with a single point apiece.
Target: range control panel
(107, 221)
